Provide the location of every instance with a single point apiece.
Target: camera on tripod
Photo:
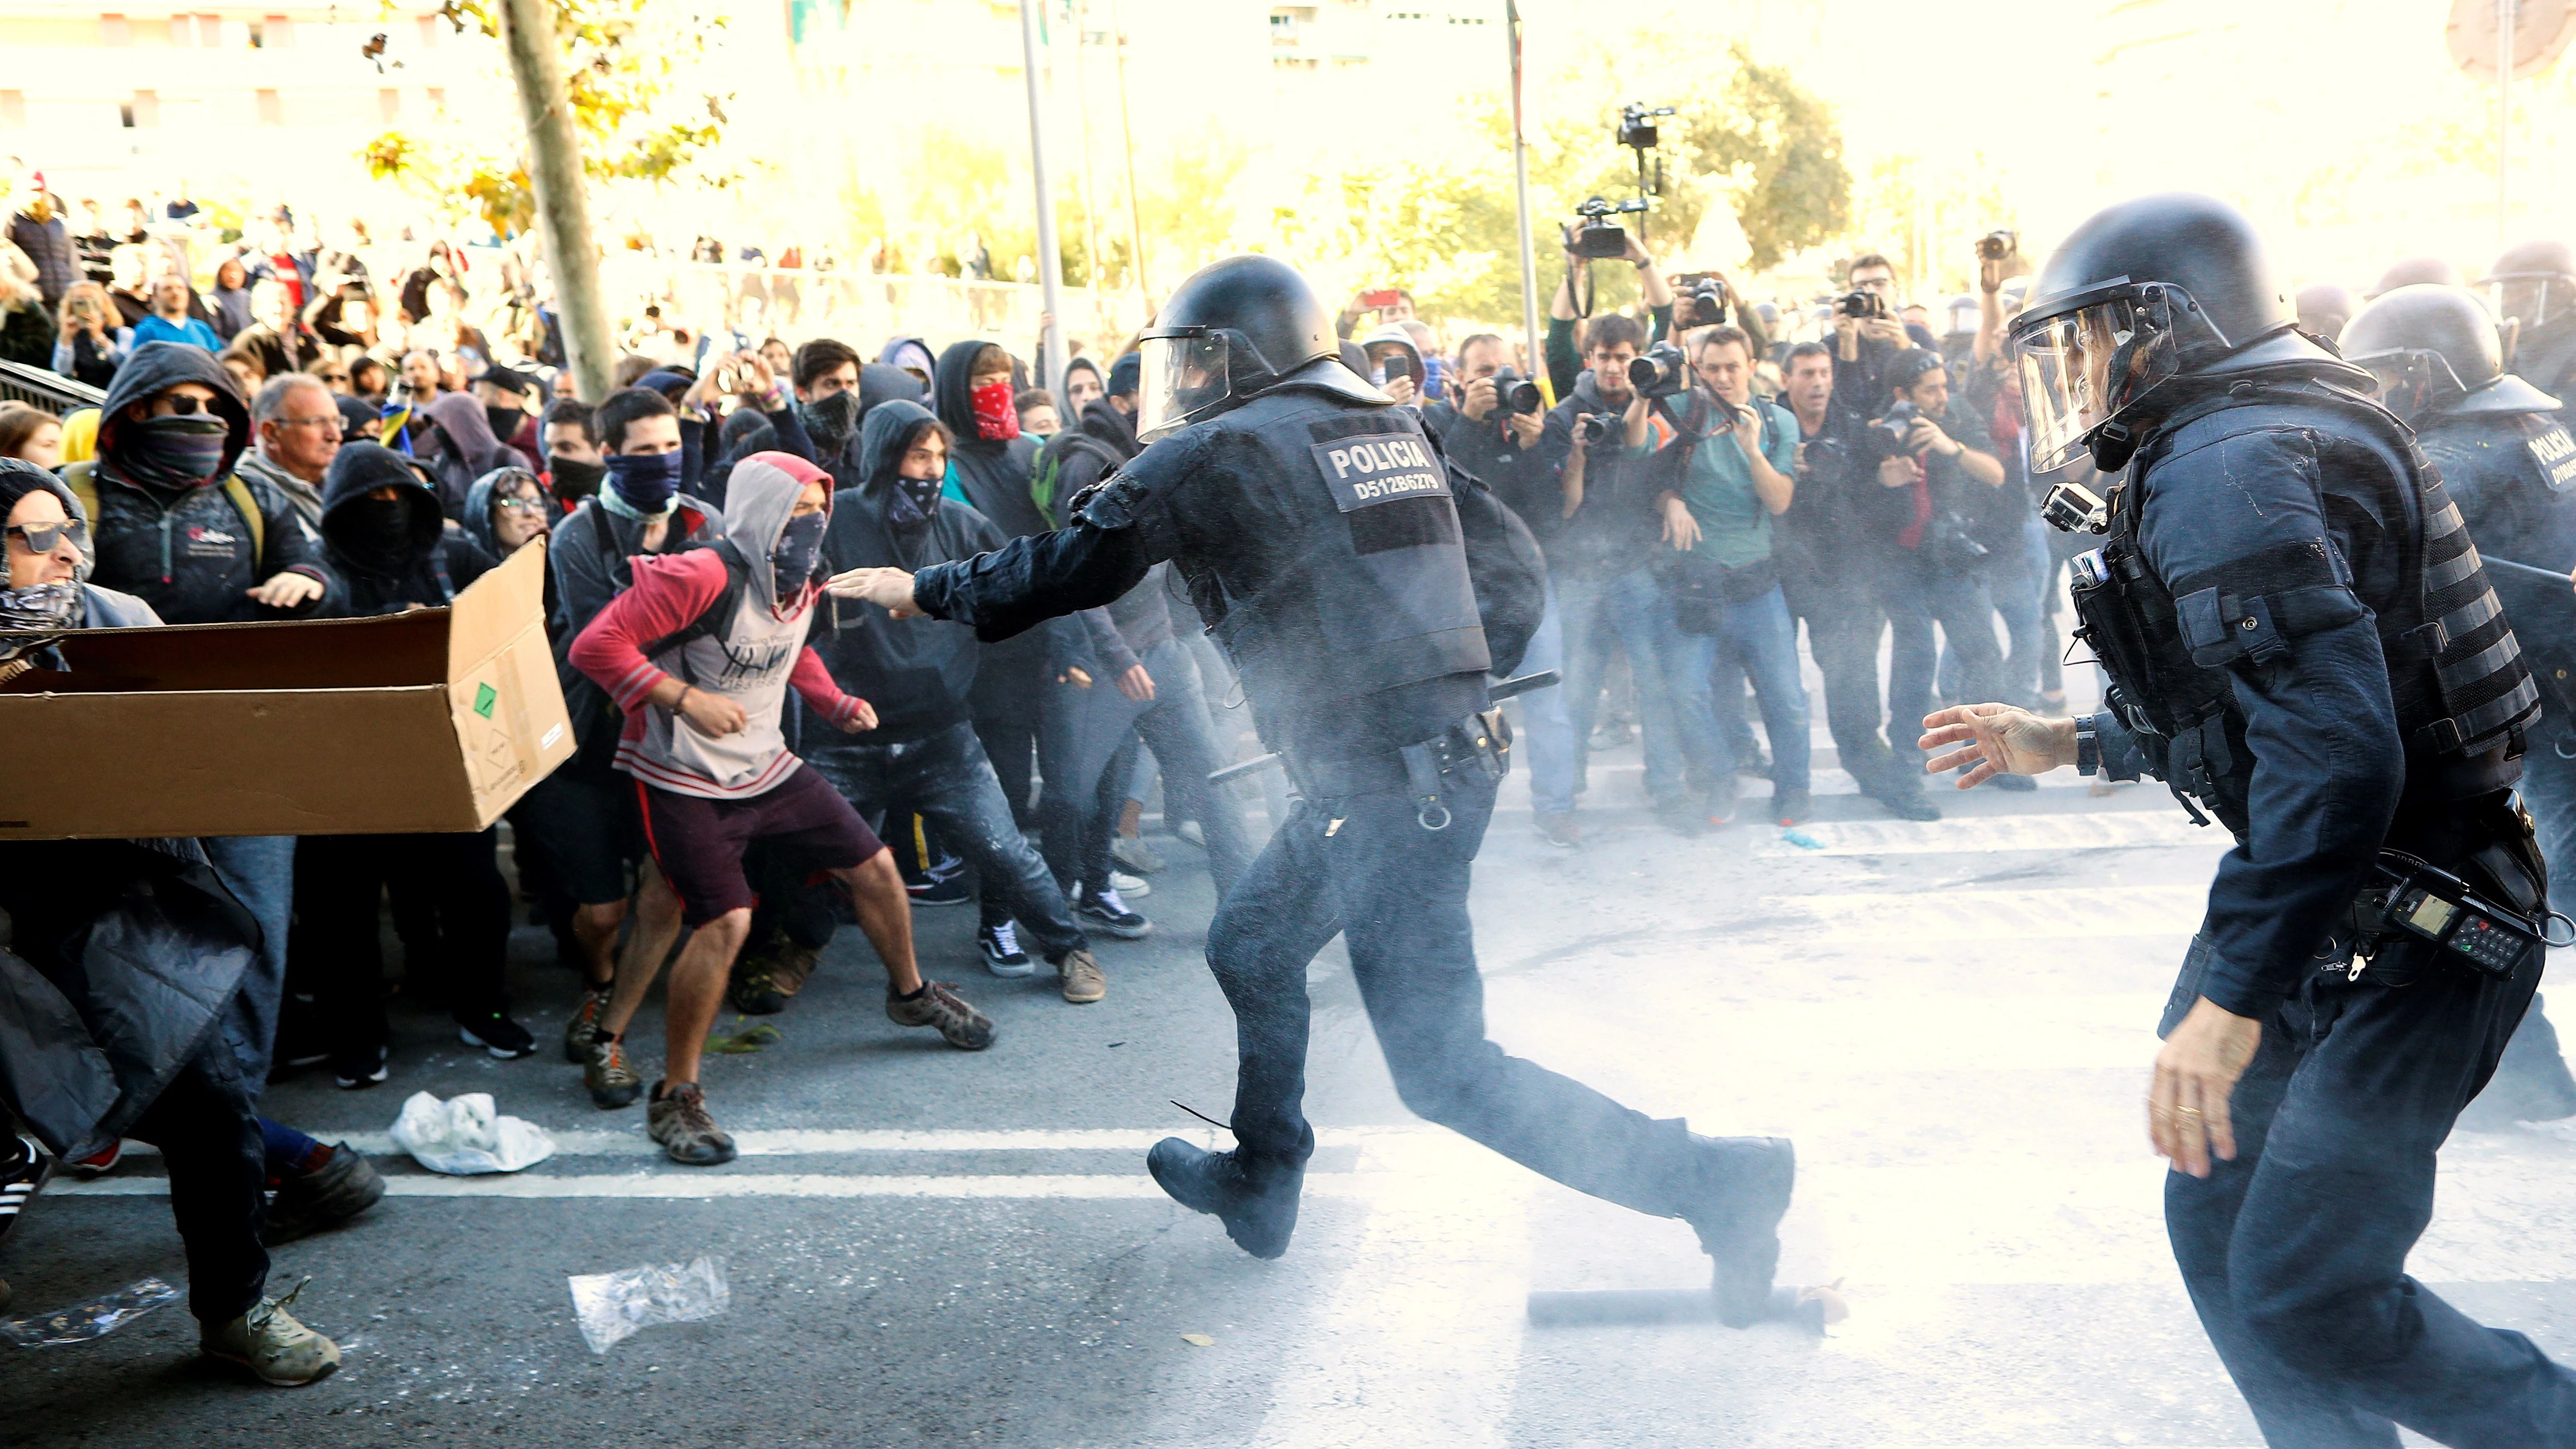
(1637, 125)
(1599, 238)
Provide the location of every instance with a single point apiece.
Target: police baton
(1522, 684)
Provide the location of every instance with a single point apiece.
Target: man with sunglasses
(299, 424)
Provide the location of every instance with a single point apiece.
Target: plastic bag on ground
(611, 1306)
(466, 1135)
(97, 1318)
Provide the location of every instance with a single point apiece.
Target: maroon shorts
(699, 843)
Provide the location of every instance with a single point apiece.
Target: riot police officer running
(2301, 642)
(2509, 466)
(1329, 547)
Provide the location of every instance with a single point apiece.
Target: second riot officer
(2301, 642)
(1363, 590)
(2508, 464)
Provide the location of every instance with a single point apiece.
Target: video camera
(1516, 393)
(1636, 129)
(1661, 372)
(1599, 238)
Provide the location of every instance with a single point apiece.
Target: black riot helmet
(2143, 299)
(2534, 283)
(2414, 272)
(1234, 329)
(2435, 353)
(2323, 309)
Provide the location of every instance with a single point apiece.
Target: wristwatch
(2088, 747)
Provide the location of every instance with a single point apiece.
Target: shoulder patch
(2555, 452)
(1372, 468)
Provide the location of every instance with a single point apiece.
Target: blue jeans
(1546, 728)
(1090, 726)
(1621, 608)
(1760, 641)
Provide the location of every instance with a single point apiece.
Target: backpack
(717, 619)
(1042, 484)
(82, 479)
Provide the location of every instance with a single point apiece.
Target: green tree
(624, 64)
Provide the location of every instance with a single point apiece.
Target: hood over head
(952, 393)
(157, 366)
(881, 439)
(477, 521)
(1117, 429)
(1064, 392)
(461, 418)
(907, 352)
(358, 469)
(758, 500)
(880, 382)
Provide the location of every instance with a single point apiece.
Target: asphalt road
(930, 1247)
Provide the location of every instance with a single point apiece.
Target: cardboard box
(436, 720)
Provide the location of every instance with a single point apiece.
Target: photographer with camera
(1936, 468)
(1724, 476)
(1598, 566)
(1564, 359)
(1869, 337)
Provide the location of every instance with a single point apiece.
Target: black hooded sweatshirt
(392, 555)
(995, 475)
(189, 554)
(917, 672)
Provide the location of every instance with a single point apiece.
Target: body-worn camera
(1516, 393)
(1599, 238)
(1593, 427)
(1863, 305)
(1996, 245)
(2074, 508)
(1661, 372)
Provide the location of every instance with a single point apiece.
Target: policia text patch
(1378, 468)
(2556, 455)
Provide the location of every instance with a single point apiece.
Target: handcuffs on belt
(1482, 742)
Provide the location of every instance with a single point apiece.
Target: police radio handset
(2435, 906)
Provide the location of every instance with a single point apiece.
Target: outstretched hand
(889, 589)
(1997, 739)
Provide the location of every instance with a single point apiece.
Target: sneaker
(952, 891)
(332, 1191)
(1745, 1187)
(1128, 885)
(584, 1025)
(1256, 1198)
(103, 1160)
(270, 1343)
(773, 980)
(356, 1071)
(1559, 830)
(1000, 943)
(1683, 818)
(612, 1083)
(1791, 806)
(1908, 806)
(1754, 765)
(1104, 910)
(678, 1119)
(1133, 853)
(1189, 830)
(30, 1167)
(496, 1033)
(1081, 976)
(942, 1009)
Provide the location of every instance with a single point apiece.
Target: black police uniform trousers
(1366, 867)
(2295, 1252)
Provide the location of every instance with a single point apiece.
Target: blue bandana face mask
(798, 557)
(645, 482)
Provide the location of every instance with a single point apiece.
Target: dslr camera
(1996, 245)
(1593, 427)
(1704, 304)
(1516, 393)
(1661, 372)
(1898, 421)
(1862, 305)
(1599, 238)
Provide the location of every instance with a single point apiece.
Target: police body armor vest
(2455, 671)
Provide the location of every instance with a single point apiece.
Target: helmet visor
(2412, 379)
(2081, 366)
(1179, 378)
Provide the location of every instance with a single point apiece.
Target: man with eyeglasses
(299, 434)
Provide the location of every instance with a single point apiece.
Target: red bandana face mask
(996, 421)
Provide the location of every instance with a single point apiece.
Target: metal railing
(51, 391)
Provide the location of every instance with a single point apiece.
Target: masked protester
(1270, 467)
(992, 464)
(174, 524)
(701, 652)
(389, 539)
(466, 448)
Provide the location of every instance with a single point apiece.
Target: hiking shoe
(103, 1160)
(1559, 830)
(1744, 1191)
(1104, 910)
(774, 979)
(1000, 943)
(1080, 974)
(584, 1026)
(358, 1070)
(612, 1083)
(22, 1174)
(496, 1033)
(1125, 884)
(942, 1009)
(677, 1118)
(270, 1343)
(1132, 852)
(1256, 1198)
(1791, 806)
(952, 891)
(337, 1188)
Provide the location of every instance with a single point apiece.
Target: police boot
(1254, 1196)
(1742, 1192)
